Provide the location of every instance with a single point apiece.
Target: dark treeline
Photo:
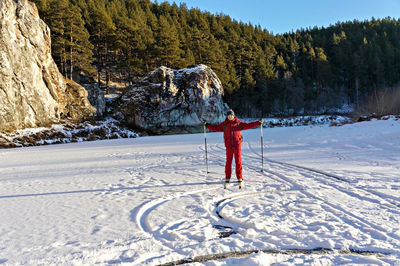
(308, 71)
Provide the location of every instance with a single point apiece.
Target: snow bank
(65, 133)
(333, 120)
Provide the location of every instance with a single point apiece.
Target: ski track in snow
(384, 197)
(294, 168)
(154, 204)
(351, 191)
(346, 215)
(230, 223)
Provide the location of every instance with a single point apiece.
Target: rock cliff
(173, 101)
(32, 90)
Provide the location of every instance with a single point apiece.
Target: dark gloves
(204, 122)
(261, 120)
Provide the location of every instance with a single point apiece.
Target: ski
(240, 183)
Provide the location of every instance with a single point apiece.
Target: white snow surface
(327, 196)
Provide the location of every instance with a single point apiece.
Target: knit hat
(230, 112)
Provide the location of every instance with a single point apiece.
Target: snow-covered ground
(328, 195)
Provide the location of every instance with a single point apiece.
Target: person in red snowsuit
(232, 128)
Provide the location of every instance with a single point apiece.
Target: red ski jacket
(232, 130)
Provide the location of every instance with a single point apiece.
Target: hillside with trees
(312, 70)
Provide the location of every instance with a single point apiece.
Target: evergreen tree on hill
(167, 47)
(71, 47)
(102, 33)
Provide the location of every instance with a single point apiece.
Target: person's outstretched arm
(216, 128)
(244, 126)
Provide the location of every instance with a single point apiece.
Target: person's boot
(226, 183)
(240, 182)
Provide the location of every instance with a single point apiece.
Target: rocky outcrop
(97, 99)
(32, 90)
(173, 101)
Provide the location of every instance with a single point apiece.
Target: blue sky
(280, 16)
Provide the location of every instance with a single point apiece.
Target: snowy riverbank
(112, 129)
(65, 133)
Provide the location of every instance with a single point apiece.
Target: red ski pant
(230, 152)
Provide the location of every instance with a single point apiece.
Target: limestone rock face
(174, 101)
(32, 90)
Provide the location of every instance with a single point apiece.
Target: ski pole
(262, 150)
(205, 145)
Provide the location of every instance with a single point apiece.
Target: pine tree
(55, 17)
(78, 44)
(126, 29)
(102, 35)
(71, 48)
(167, 44)
(189, 57)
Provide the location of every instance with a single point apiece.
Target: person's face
(230, 117)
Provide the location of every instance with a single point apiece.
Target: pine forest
(310, 71)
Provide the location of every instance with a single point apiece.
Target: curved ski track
(229, 222)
